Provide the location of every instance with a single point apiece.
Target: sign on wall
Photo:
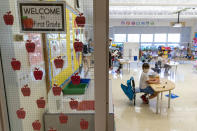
(137, 23)
(42, 16)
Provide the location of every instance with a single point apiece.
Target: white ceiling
(155, 1)
(160, 9)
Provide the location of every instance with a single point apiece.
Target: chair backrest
(133, 83)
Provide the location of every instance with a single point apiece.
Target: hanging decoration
(63, 118)
(78, 46)
(36, 125)
(8, 18)
(38, 74)
(16, 65)
(80, 20)
(30, 46)
(26, 90)
(84, 124)
(57, 90)
(21, 113)
(75, 79)
(59, 62)
(41, 102)
(73, 104)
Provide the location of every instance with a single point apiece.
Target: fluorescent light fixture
(177, 25)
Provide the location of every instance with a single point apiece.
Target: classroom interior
(139, 35)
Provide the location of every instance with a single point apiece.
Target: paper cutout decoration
(30, 46)
(56, 90)
(27, 22)
(26, 90)
(8, 18)
(173, 96)
(80, 20)
(38, 74)
(16, 64)
(78, 46)
(75, 79)
(86, 105)
(84, 124)
(51, 129)
(36, 125)
(59, 62)
(73, 104)
(41, 102)
(63, 118)
(21, 113)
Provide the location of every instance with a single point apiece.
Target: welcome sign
(43, 17)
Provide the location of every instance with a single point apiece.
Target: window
(133, 37)
(119, 37)
(160, 37)
(174, 37)
(147, 38)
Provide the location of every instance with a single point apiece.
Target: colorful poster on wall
(35, 57)
(42, 16)
(71, 39)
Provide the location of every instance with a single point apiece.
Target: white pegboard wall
(15, 80)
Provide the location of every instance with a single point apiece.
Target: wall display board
(60, 49)
(42, 16)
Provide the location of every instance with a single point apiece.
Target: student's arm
(155, 81)
(152, 82)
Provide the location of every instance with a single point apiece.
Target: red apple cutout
(75, 79)
(36, 125)
(59, 62)
(63, 119)
(16, 65)
(26, 90)
(80, 20)
(84, 124)
(57, 90)
(30, 46)
(8, 18)
(38, 74)
(27, 22)
(21, 113)
(73, 104)
(51, 129)
(41, 102)
(78, 46)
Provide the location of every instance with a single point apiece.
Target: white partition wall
(130, 50)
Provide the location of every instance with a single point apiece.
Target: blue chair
(130, 90)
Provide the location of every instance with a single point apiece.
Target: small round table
(164, 85)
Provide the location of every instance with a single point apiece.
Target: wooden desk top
(165, 85)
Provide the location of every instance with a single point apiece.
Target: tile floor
(182, 116)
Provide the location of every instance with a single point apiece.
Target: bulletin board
(62, 45)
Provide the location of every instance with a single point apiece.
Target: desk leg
(176, 69)
(129, 67)
(161, 102)
(169, 99)
(157, 106)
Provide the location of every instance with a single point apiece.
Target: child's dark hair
(145, 66)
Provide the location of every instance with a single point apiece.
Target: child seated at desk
(144, 84)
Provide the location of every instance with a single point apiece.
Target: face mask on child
(146, 70)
